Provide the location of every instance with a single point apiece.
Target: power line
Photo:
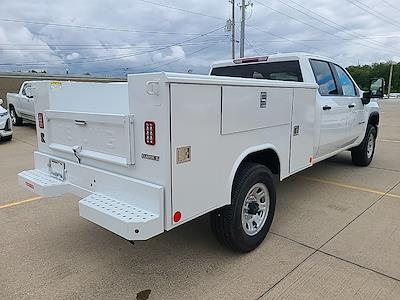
(390, 5)
(372, 12)
(312, 26)
(45, 48)
(108, 58)
(182, 10)
(94, 27)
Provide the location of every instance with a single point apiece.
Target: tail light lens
(40, 120)
(150, 133)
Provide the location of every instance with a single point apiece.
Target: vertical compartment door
(303, 120)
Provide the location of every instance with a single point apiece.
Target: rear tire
(363, 154)
(16, 121)
(243, 225)
(6, 138)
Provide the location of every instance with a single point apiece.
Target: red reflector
(28, 184)
(150, 133)
(177, 216)
(40, 120)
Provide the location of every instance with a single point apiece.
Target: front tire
(363, 154)
(16, 121)
(243, 225)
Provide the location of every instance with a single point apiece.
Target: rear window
(285, 70)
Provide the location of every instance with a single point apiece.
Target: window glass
(324, 77)
(348, 87)
(24, 90)
(285, 70)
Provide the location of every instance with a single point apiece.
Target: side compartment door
(302, 137)
(333, 109)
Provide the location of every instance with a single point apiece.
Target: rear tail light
(150, 133)
(40, 120)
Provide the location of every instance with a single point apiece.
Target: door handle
(351, 105)
(326, 107)
(80, 123)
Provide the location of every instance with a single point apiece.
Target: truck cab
(21, 104)
(341, 116)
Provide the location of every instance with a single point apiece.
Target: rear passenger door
(332, 109)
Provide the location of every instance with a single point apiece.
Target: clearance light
(250, 59)
(150, 133)
(177, 216)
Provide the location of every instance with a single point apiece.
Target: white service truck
(21, 105)
(165, 148)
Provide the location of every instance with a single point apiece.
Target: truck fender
(242, 157)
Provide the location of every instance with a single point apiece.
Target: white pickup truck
(149, 155)
(21, 105)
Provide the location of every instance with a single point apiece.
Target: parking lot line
(389, 141)
(20, 202)
(352, 187)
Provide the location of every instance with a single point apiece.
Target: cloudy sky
(127, 36)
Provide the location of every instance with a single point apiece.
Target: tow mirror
(376, 87)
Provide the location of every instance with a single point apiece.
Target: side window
(24, 90)
(324, 77)
(347, 85)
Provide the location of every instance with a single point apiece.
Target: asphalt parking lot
(336, 234)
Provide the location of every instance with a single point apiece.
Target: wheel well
(267, 157)
(374, 119)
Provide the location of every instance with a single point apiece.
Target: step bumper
(129, 207)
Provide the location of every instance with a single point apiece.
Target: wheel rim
(255, 209)
(13, 116)
(370, 145)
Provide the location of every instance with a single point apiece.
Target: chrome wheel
(370, 145)
(13, 116)
(255, 209)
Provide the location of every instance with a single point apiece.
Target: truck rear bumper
(129, 207)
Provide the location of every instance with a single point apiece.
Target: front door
(332, 108)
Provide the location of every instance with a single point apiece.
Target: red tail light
(40, 120)
(150, 133)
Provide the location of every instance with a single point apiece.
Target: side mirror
(366, 98)
(1, 101)
(376, 87)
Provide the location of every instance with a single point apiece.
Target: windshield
(284, 70)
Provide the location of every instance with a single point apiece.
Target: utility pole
(390, 78)
(242, 25)
(233, 29)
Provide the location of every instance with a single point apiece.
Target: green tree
(362, 74)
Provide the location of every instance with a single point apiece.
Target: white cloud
(356, 36)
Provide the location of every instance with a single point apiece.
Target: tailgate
(103, 137)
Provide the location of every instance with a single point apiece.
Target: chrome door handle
(326, 107)
(80, 122)
(351, 105)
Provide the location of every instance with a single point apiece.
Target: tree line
(362, 75)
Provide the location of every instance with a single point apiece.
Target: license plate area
(57, 168)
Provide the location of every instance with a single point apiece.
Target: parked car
(163, 149)
(21, 105)
(5, 124)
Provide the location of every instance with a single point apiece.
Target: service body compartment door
(249, 108)
(102, 137)
(303, 120)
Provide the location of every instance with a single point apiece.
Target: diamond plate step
(129, 221)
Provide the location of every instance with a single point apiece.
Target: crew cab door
(332, 108)
(355, 107)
